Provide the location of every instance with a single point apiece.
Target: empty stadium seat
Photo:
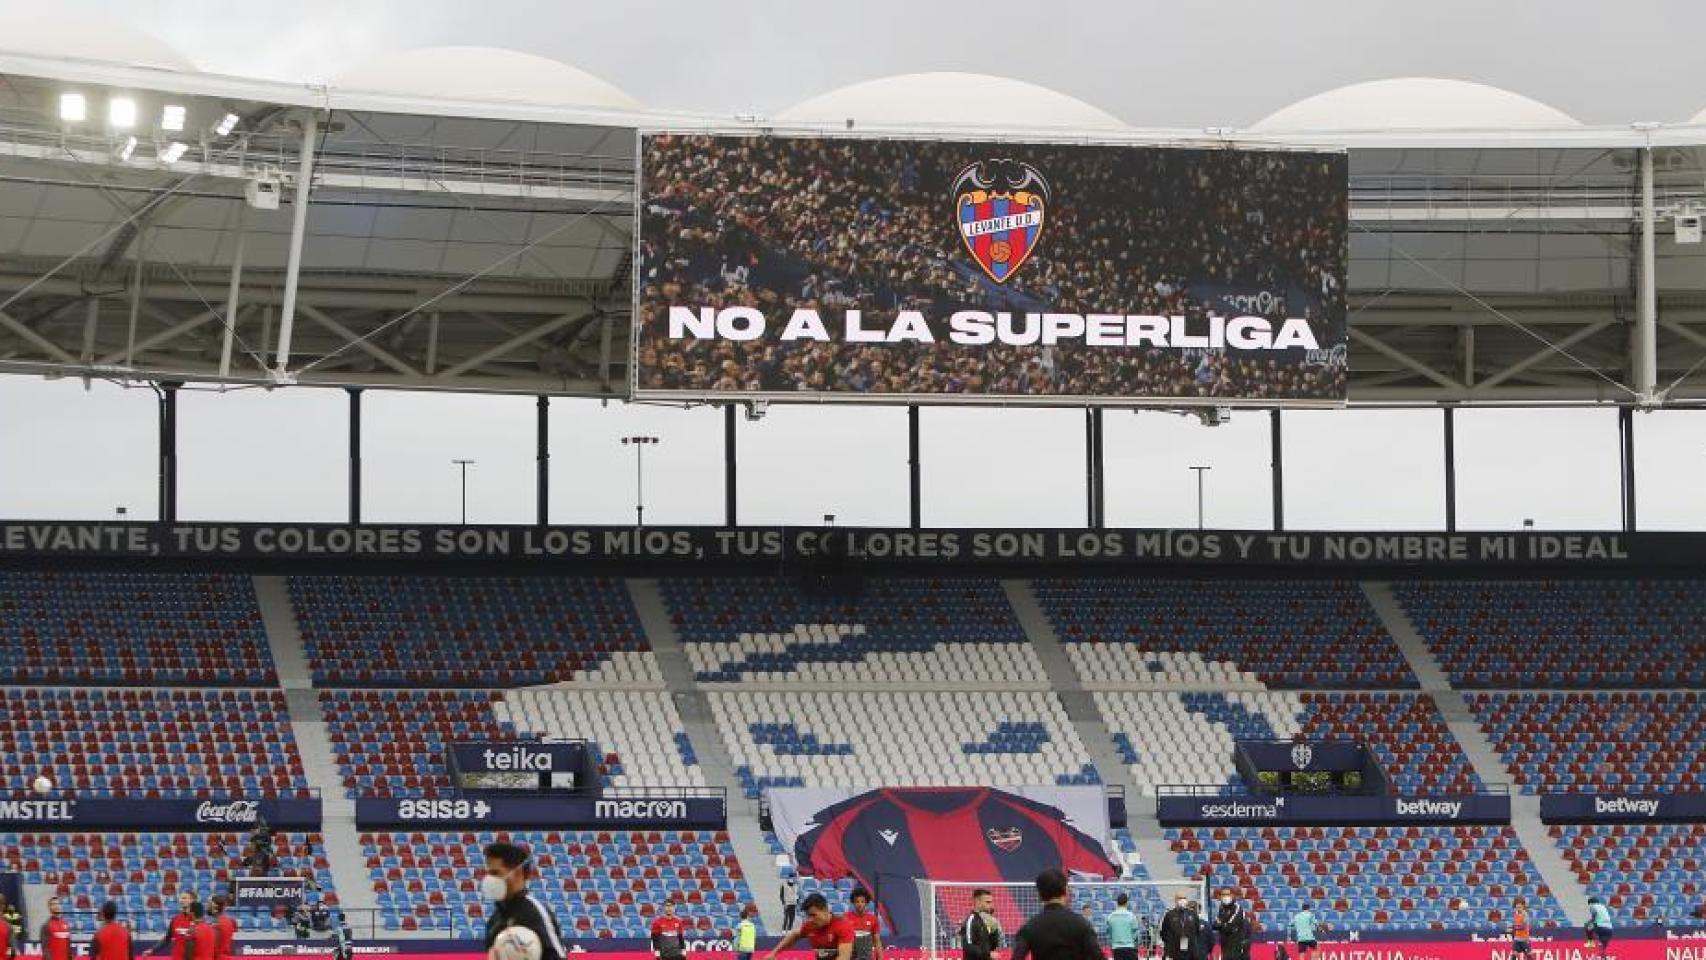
(1573, 634)
(922, 633)
(392, 742)
(150, 743)
(417, 631)
(152, 629)
(1124, 634)
(900, 739)
(143, 872)
(1645, 872)
(1399, 877)
(1618, 741)
(600, 884)
(1187, 738)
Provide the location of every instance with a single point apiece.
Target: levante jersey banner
(886, 838)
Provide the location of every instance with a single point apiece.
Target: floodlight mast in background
(640, 444)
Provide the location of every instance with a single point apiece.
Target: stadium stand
(1648, 872)
(391, 742)
(605, 885)
(639, 732)
(1571, 634)
(151, 743)
(416, 631)
(899, 739)
(1575, 742)
(1187, 738)
(143, 872)
(1423, 878)
(1289, 634)
(155, 629)
(928, 632)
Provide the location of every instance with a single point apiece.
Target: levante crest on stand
(1000, 206)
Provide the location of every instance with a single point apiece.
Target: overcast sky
(68, 451)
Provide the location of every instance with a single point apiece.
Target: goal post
(945, 905)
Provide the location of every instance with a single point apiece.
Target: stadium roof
(1415, 103)
(475, 232)
(938, 100)
(484, 73)
(48, 32)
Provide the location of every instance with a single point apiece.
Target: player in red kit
(669, 934)
(55, 934)
(829, 935)
(867, 927)
(5, 932)
(178, 931)
(112, 941)
(226, 925)
(204, 936)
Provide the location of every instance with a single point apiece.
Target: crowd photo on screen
(830, 224)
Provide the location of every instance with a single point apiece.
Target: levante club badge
(1000, 206)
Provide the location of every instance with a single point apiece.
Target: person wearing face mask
(1181, 931)
(1232, 925)
(505, 887)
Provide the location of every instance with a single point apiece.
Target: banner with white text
(843, 268)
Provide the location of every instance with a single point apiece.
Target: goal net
(944, 907)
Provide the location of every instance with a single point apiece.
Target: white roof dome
(484, 74)
(42, 34)
(948, 99)
(1408, 103)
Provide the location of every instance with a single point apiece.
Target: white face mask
(1226, 900)
(494, 888)
(1179, 903)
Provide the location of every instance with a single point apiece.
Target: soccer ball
(516, 943)
(43, 785)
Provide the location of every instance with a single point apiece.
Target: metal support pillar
(1276, 448)
(1089, 468)
(1646, 312)
(914, 488)
(354, 454)
(298, 227)
(1095, 485)
(233, 292)
(542, 455)
(1626, 433)
(1450, 469)
(168, 446)
(136, 295)
(731, 468)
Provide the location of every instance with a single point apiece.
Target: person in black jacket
(980, 935)
(1181, 931)
(1232, 926)
(504, 886)
(1056, 933)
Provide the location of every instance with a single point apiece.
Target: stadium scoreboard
(842, 268)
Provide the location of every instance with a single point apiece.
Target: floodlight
(121, 113)
(129, 148)
(73, 107)
(172, 117)
(173, 152)
(226, 124)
